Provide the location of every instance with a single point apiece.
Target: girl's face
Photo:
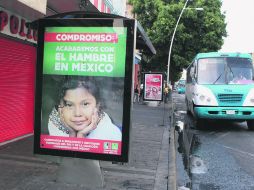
(77, 108)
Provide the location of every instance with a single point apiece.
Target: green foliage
(198, 31)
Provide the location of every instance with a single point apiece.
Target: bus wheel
(187, 107)
(250, 124)
(200, 124)
(188, 112)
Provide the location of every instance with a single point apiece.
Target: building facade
(17, 71)
(18, 45)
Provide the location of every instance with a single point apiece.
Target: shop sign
(15, 26)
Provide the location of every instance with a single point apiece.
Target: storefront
(18, 61)
(18, 58)
(17, 66)
(137, 70)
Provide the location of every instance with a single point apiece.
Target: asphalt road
(221, 157)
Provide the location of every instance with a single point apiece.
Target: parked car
(181, 89)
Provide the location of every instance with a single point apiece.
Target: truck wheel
(250, 124)
(200, 124)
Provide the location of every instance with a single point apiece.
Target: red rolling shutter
(17, 76)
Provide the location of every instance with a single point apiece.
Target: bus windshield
(225, 70)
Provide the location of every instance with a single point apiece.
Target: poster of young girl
(82, 90)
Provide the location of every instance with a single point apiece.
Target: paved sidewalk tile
(148, 168)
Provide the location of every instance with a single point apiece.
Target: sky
(240, 26)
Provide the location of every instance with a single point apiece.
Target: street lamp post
(173, 36)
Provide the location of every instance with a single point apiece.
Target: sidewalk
(151, 165)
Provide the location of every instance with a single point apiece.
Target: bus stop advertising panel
(153, 86)
(84, 69)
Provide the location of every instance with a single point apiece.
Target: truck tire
(250, 124)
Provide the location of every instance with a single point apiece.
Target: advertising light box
(153, 86)
(83, 88)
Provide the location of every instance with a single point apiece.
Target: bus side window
(192, 72)
(195, 70)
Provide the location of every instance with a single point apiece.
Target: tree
(198, 31)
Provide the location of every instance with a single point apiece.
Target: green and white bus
(221, 86)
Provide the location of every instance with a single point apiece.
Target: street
(219, 157)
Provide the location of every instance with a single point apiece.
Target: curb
(172, 152)
(172, 162)
(161, 178)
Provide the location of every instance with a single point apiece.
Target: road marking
(223, 135)
(242, 152)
